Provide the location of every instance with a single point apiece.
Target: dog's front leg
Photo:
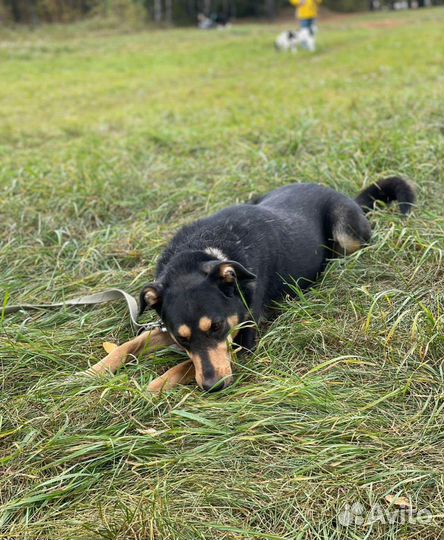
(183, 373)
(150, 340)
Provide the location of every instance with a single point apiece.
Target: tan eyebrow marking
(205, 324)
(184, 331)
(232, 320)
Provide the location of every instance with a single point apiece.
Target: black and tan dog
(232, 267)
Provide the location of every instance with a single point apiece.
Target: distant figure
(306, 13)
(215, 20)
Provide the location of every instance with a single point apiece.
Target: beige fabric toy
(147, 341)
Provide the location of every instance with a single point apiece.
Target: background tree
(157, 11)
(169, 11)
(270, 8)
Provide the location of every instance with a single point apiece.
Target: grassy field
(109, 141)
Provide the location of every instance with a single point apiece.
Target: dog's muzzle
(213, 367)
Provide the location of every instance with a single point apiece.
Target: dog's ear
(228, 272)
(150, 297)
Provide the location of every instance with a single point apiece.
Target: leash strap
(92, 299)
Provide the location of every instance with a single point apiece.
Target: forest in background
(170, 11)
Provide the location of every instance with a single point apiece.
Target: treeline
(170, 11)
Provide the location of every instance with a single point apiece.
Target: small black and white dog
(290, 40)
(233, 266)
(287, 41)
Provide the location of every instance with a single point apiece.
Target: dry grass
(108, 143)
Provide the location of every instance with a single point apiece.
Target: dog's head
(200, 307)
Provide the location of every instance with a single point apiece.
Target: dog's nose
(215, 386)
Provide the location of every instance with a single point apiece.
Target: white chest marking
(216, 252)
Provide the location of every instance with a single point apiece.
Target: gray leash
(93, 299)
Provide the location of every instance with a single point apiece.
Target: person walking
(306, 13)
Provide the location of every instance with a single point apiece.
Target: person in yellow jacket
(306, 12)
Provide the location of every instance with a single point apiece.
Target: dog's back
(274, 235)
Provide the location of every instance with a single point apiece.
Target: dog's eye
(216, 327)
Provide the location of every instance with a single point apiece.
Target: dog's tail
(388, 190)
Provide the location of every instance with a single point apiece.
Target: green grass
(109, 141)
